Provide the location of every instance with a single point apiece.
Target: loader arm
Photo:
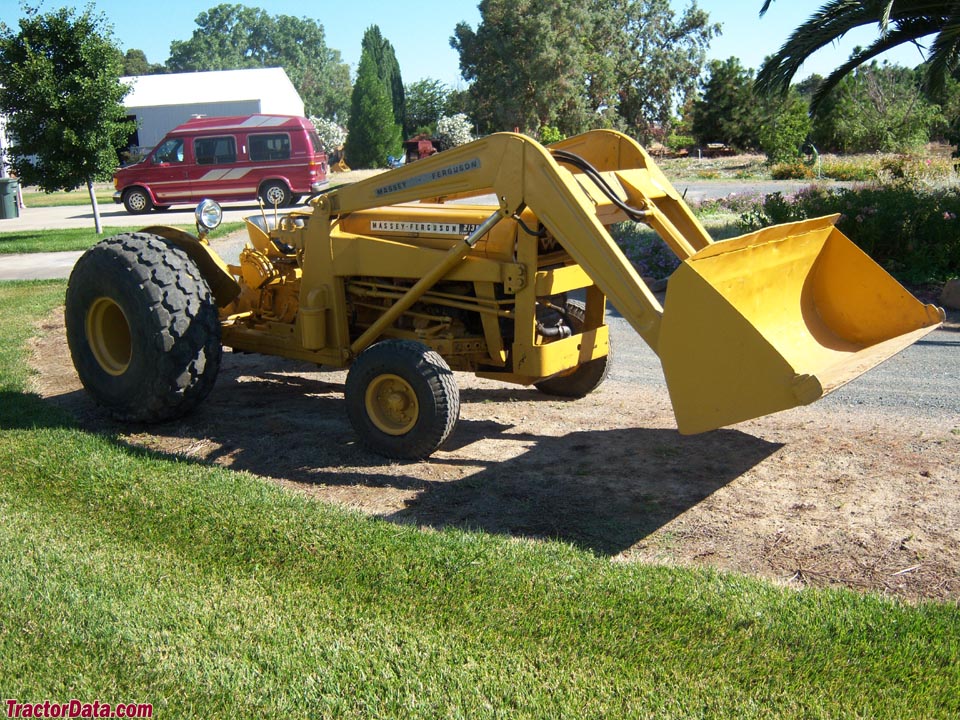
(750, 326)
(521, 173)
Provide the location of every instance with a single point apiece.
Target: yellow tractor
(493, 258)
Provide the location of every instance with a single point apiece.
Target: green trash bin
(9, 206)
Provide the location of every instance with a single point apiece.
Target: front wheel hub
(392, 405)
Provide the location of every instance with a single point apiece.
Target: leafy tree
(525, 61)
(233, 37)
(459, 101)
(786, 128)
(135, 63)
(653, 58)
(388, 69)
(877, 108)
(62, 97)
(727, 110)
(575, 64)
(372, 134)
(426, 102)
(899, 21)
(948, 126)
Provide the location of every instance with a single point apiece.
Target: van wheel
(275, 194)
(137, 201)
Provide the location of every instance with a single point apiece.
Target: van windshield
(170, 151)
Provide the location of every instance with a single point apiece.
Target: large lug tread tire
(421, 372)
(586, 377)
(143, 328)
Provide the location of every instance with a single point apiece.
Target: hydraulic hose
(568, 158)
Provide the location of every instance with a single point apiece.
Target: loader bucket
(776, 319)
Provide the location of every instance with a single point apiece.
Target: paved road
(58, 265)
(41, 266)
(923, 380)
(111, 215)
(81, 216)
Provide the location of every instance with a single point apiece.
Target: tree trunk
(96, 209)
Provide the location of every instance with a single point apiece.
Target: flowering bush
(911, 230)
(454, 131)
(331, 134)
(645, 250)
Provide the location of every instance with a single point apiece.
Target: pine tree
(388, 68)
(373, 132)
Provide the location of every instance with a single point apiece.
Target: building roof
(208, 87)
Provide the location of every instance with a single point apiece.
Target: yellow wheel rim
(392, 404)
(108, 334)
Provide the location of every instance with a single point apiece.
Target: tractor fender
(214, 270)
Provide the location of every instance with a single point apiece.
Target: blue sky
(420, 31)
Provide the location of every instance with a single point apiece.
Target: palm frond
(905, 32)
(900, 21)
(827, 25)
(944, 56)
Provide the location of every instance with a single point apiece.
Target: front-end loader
(493, 258)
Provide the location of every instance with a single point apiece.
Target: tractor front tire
(143, 328)
(586, 377)
(402, 399)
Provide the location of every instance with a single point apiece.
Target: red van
(278, 158)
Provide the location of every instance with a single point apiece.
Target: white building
(161, 102)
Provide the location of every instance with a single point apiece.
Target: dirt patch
(813, 496)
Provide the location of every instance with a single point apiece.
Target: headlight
(209, 214)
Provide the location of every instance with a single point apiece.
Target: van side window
(169, 152)
(274, 146)
(215, 150)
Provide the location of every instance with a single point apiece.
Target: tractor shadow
(600, 489)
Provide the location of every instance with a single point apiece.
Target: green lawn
(136, 577)
(28, 241)
(33, 198)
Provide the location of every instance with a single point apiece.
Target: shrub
(676, 143)
(913, 231)
(331, 134)
(859, 170)
(454, 131)
(645, 250)
(795, 170)
(549, 135)
(783, 134)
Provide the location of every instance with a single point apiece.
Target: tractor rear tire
(402, 399)
(585, 378)
(143, 328)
